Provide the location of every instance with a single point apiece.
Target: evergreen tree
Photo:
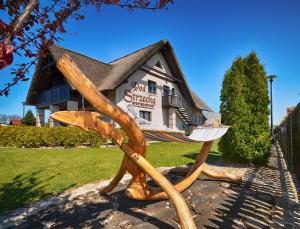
(29, 119)
(244, 107)
(257, 97)
(235, 113)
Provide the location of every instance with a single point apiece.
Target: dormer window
(159, 66)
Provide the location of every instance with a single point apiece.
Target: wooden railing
(54, 95)
(176, 101)
(172, 101)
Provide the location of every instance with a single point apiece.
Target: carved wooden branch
(134, 149)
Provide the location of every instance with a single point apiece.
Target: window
(151, 87)
(166, 90)
(173, 91)
(158, 65)
(145, 115)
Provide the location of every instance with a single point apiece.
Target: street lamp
(271, 79)
(24, 104)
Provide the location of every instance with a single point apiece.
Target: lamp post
(271, 79)
(24, 104)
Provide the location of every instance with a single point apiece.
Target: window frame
(161, 68)
(164, 90)
(155, 89)
(173, 91)
(143, 116)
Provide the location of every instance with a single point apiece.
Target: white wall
(159, 115)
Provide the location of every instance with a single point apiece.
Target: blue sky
(206, 36)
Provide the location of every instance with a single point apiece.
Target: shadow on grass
(212, 156)
(23, 189)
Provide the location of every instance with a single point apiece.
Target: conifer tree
(235, 113)
(244, 107)
(257, 98)
(29, 119)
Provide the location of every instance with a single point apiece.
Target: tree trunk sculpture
(135, 150)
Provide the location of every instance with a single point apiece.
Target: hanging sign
(138, 97)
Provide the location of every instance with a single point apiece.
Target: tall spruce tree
(244, 106)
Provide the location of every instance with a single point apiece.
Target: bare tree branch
(21, 19)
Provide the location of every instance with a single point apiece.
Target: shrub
(31, 136)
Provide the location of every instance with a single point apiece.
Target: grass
(27, 175)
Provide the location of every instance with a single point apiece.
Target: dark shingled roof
(95, 70)
(108, 76)
(200, 103)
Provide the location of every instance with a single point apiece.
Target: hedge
(31, 136)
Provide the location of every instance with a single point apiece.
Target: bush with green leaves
(244, 107)
(31, 136)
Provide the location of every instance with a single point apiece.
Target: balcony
(172, 101)
(55, 95)
(185, 112)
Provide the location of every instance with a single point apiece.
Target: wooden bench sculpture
(135, 149)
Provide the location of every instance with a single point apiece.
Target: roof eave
(32, 84)
(181, 72)
(127, 74)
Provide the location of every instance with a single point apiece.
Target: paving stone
(131, 219)
(165, 213)
(203, 210)
(210, 190)
(145, 225)
(236, 188)
(239, 223)
(200, 200)
(152, 225)
(228, 192)
(150, 208)
(265, 197)
(196, 186)
(225, 185)
(263, 212)
(249, 192)
(204, 221)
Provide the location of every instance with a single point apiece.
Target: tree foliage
(29, 119)
(34, 25)
(244, 107)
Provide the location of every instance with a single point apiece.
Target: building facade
(148, 84)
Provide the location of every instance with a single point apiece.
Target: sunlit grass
(27, 175)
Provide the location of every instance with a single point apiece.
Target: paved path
(267, 199)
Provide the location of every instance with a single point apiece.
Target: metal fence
(289, 139)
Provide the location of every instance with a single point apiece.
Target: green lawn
(27, 175)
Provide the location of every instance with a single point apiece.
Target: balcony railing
(54, 95)
(172, 101)
(176, 101)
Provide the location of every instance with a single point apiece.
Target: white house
(149, 84)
